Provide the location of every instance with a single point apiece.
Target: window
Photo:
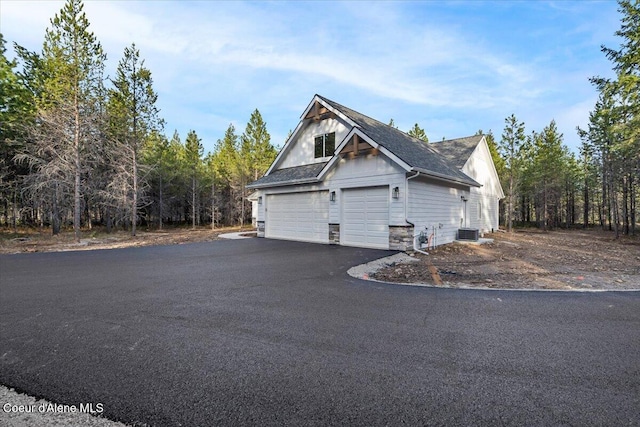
(325, 145)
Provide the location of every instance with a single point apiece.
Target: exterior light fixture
(332, 196)
(260, 200)
(396, 193)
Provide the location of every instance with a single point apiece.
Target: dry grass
(34, 240)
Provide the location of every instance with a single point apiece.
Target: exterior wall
(438, 207)
(480, 167)
(301, 151)
(400, 238)
(334, 234)
(487, 219)
(367, 171)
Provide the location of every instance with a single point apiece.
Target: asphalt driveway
(270, 332)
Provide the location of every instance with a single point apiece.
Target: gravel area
(20, 410)
(575, 260)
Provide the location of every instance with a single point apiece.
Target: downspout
(416, 247)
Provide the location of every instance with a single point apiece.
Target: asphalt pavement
(268, 332)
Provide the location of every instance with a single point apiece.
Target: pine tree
(69, 121)
(225, 166)
(256, 155)
(16, 113)
(512, 139)
(193, 161)
(133, 115)
(417, 132)
(615, 123)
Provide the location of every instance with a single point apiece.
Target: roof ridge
(395, 129)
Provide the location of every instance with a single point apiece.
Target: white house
(345, 178)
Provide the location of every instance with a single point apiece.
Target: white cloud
(212, 60)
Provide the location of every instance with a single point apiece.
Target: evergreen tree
(68, 112)
(512, 139)
(193, 151)
(417, 132)
(16, 113)
(133, 115)
(256, 155)
(615, 124)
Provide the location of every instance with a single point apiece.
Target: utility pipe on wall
(416, 247)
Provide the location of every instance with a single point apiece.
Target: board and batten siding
(436, 206)
(302, 150)
(367, 171)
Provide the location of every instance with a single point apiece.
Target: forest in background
(80, 149)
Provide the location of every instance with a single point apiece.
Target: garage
(365, 217)
(298, 216)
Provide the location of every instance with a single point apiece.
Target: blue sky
(452, 67)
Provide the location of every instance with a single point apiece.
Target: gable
(479, 166)
(301, 149)
(354, 134)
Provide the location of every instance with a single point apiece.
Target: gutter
(406, 208)
(446, 178)
(284, 183)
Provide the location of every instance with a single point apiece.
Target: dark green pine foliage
(133, 116)
(69, 85)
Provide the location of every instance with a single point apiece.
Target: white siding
(301, 150)
(367, 171)
(437, 207)
(480, 167)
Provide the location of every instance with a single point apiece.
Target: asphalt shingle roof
(414, 152)
(444, 159)
(297, 173)
(457, 151)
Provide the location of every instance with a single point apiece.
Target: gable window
(324, 145)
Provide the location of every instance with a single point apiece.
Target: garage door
(365, 217)
(298, 216)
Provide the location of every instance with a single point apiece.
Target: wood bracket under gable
(356, 147)
(319, 112)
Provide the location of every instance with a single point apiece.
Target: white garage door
(365, 217)
(298, 216)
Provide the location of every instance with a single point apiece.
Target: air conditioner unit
(468, 234)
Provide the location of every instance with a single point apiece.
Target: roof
(287, 176)
(413, 151)
(457, 151)
(442, 160)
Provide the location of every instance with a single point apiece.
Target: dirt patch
(530, 259)
(35, 241)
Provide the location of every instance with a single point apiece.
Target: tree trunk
(625, 206)
(14, 209)
(193, 202)
(510, 205)
(55, 215)
(134, 202)
(585, 217)
(160, 205)
(108, 220)
(213, 206)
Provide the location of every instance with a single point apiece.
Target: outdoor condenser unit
(468, 233)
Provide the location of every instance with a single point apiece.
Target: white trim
(285, 183)
(285, 148)
(493, 167)
(317, 98)
(365, 137)
(445, 178)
